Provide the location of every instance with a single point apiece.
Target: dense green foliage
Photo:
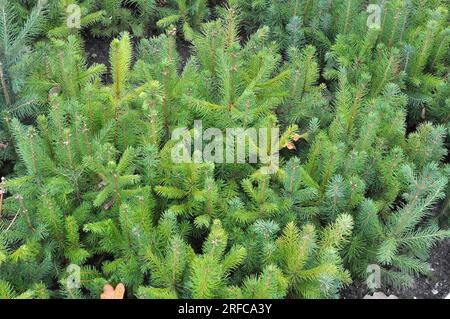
(94, 184)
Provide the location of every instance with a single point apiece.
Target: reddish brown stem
(116, 187)
(354, 108)
(166, 122)
(213, 52)
(86, 139)
(171, 37)
(394, 28)
(2, 192)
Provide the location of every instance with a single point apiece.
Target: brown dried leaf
(296, 137)
(108, 204)
(290, 146)
(110, 293)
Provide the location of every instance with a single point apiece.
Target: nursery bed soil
(97, 51)
(434, 286)
(184, 51)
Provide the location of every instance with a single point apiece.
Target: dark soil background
(97, 51)
(184, 51)
(434, 286)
